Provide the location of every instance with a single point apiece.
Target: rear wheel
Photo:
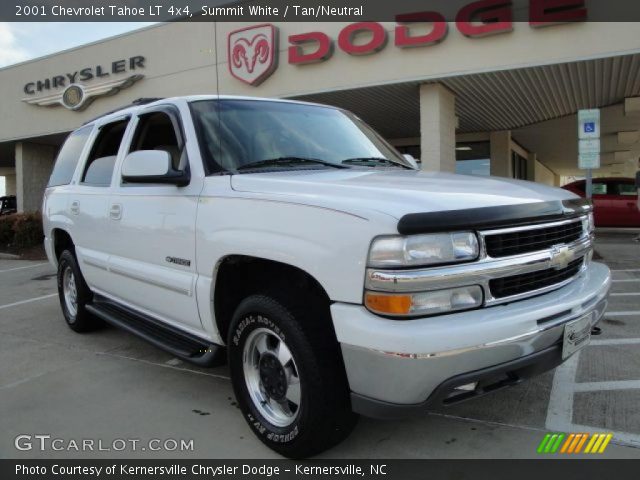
(74, 295)
(289, 381)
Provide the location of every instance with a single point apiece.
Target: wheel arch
(238, 276)
(61, 241)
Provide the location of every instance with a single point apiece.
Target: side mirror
(152, 166)
(412, 161)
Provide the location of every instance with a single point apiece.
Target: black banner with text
(485, 11)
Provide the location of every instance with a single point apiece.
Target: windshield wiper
(372, 161)
(285, 161)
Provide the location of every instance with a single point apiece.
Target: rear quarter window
(69, 156)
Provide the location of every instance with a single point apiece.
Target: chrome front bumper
(399, 364)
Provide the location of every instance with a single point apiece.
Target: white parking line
(615, 341)
(560, 409)
(29, 300)
(614, 385)
(623, 314)
(625, 294)
(628, 270)
(23, 268)
(627, 280)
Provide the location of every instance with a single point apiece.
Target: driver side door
(152, 259)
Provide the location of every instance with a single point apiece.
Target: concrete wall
(546, 176)
(10, 187)
(181, 59)
(33, 168)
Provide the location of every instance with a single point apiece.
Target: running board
(181, 344)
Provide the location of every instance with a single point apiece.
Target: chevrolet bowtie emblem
(561, 256)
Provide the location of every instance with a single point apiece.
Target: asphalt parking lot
(109, 385)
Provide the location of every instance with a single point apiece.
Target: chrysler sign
(75, 90)
(252, 51)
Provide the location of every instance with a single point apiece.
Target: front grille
(528, 282)
(525, 241)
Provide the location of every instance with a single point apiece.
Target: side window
(69, 156)
(600, 188)
(156, 131)
(102, 159)
(625, 188)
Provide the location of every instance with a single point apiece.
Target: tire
(298, 407)
(74, 294)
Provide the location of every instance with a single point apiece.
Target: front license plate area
(577, 334)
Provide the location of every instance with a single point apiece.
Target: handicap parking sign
(588, 124)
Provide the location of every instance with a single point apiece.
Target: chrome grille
(525, 241)
(519, 284)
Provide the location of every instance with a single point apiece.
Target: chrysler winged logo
(561, 256)
(252, 53)
(78, 97)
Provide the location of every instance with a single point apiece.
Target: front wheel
(291, 388)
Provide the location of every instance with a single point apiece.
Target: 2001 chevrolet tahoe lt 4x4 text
(340, 279)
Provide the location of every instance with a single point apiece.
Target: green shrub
(6, 230)
(21, 230)
(27, 230)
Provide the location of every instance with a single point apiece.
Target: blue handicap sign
(589, 127)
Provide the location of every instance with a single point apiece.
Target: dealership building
(499, 98)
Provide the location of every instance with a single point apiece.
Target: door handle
(75, 207)
(115, 212)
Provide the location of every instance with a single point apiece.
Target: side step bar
(181, 344)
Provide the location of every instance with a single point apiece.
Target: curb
(9, 256)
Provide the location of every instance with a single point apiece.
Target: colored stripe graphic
(581, 443)
(556, 445)
(574, 443)
(543, 443)
(567, 443)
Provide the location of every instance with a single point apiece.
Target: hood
(394, 192)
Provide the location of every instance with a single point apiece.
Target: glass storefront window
(473, 158)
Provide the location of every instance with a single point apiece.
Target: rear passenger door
(152, 255)
(624, 203)
(88, 204)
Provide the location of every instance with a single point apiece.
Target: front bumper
(397, 367)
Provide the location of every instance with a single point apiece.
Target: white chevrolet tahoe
(334, 277)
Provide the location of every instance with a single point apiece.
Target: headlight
(420, 250)
(588, 224)
(424, 303)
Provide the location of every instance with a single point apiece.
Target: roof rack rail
(136, 102)
(145, 100)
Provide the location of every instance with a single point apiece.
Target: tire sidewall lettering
(259, 320)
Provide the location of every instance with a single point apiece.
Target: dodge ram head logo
(252, 53)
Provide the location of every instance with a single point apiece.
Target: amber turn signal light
(388, 304)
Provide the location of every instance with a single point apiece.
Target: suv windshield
(246, 136)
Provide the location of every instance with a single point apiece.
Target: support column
(33, 167)
(437, 128)
(501, 153)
